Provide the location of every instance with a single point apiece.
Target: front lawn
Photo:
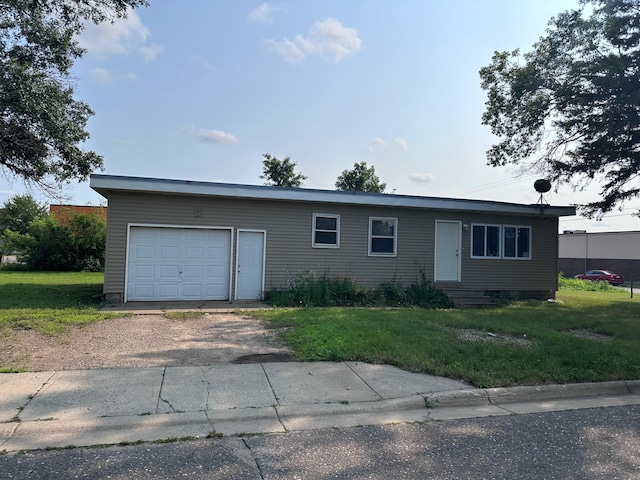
(587, 336)
(49, 301)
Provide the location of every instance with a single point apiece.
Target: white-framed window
(326, 231)
(485, 241)
(383, 236)
(501, 241)
(516, 242)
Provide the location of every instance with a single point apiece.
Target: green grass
(428, 340)
(49, 301)
(586, 285)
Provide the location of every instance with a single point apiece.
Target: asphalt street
(595, 443)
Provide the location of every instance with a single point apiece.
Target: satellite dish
(542, 185)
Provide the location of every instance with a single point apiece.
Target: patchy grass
(585, 285)
(433, 341)
(49, 301)
(183, 315)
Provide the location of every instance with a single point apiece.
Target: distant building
(579, 251)
(62, 212)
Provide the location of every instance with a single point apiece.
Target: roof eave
(105, 183)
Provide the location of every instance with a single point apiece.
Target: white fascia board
(105, 183)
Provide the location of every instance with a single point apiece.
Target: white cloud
(122, 37)
(288, 50)
(421, 177)
(401, 143)
(150, 52)
(262, 14)
(328, 38)
(102, 75)
(213, 136)
(377, 142)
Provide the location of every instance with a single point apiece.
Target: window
(383, 235)
(517, 242)
(485, 241)
(500, 241)
(326, 231)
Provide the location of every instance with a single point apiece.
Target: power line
(606, 216)
(490, 186)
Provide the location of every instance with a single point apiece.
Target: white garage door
(178, 264)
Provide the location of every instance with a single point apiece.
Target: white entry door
(447, 255)
(250, 265)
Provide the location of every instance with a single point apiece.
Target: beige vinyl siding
(537, 273)
(289, 250)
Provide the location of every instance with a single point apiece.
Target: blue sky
(199, 90)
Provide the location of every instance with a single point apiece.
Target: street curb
(412, 402)
(497, 396)
(82, 432)
(30, 435)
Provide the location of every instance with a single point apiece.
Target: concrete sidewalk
(92, 407)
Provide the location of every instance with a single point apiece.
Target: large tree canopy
(570, 108)
(18, 212)
(360, 179)
(280, 173)
(41, 125)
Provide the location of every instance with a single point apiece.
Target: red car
(604, 275)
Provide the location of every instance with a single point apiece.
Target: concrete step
(470, 298)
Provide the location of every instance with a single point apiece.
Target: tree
(570, 108)
(280, 173)
(361, 179)
(47, 245)
(41, 124)
(18, 212)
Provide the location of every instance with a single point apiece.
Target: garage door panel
(168, 271)
(169, 234)
(168, 291)
(194, 271)
(144, 272)
(145, 251)
(216, 291)
(144, 292)
(194, 253)
(178, 263)
(217, 253)
(195, 291)
(170, 253)
(142, 235)
(194, 235)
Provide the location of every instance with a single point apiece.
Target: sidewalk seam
(21, 408)
(160, 399)
(275, 407)
(31, 397)
(497, 405)
(206, 403)
(269, 382)
(11, 434)
(364, 381)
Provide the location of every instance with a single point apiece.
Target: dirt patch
(470, 335)
(598, 337)
(144, 341)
